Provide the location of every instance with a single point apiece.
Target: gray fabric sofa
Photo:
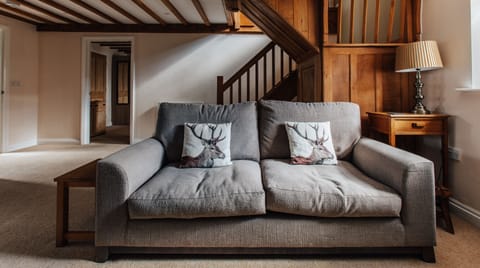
(378, 199)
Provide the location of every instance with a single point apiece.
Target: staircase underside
(285, 90)
(279, 30)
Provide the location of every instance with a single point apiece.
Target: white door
(2, 90)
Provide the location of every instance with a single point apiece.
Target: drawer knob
(416, 126)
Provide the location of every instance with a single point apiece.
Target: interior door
(98, 76)
(2, 91)
(121, 90)
(98, 86)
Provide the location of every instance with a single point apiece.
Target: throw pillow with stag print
(206, 145)
(310, 143)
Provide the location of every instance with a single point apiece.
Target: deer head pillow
(310, 143)
(206, 145)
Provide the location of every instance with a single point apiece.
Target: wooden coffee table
(83, 176)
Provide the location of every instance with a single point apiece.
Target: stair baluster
(273, 58)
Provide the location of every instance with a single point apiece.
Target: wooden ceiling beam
(20, 18)
(95, 11)
(149, 11)
(228, 14)
(111, 42)
(113, 45)
(68, 10)
(201, 11)
(135, 28)
(24, 13)
(175, 12)
(45, 11)
(122, 11)
(117, 47)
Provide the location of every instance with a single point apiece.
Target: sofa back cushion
(244, 131)
(344, 118)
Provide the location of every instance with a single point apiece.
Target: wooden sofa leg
(101, 254)
(428, 254)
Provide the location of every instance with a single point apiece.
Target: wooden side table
(393, 124)
(83, 176)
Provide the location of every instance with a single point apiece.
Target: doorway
(107, 91)
(3, 64)
(117, 129)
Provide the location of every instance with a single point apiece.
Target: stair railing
(257, 77)
(371, 21)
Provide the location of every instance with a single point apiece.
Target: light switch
(454, 153)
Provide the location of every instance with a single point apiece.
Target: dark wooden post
(220, 90)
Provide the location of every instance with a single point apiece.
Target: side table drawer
(418, 126)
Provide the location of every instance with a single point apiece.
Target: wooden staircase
(344, 50)
(270, 74)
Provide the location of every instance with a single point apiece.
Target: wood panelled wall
(359, 73)
(303, 15)
(366, 76)
(310, 80)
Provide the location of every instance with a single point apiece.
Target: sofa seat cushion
(173, 192)
(326, 191)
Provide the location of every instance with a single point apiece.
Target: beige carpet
(27, 223)
(119, 134)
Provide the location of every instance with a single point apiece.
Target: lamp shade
(422, 55)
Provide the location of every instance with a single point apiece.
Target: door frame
(85, 108)
(4, 63)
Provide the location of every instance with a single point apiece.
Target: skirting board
(468, 213)
(21, 145)
(48, 141)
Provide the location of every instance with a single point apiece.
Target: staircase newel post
(220, 90)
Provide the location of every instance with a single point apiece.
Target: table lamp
(416, 57)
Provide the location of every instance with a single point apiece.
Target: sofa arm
(118, 176)
(412, 176)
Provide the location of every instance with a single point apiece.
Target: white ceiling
(213, 8)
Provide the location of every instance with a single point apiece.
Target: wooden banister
(399, 17)
(220, 89)
(352, 21)
(403, 15)
(249, 64)
(339, 21)
(365, 22)
(273, 70)
(391, 19)
(377, 21)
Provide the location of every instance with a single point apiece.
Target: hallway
(114, 135)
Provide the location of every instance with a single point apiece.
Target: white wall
(59, 87)
(184, 67)
(168, 67)
(21, 91)
(448, 22)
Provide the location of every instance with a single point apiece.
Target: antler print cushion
(310, 143)
(206, 145)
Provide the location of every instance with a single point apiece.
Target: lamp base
(420, 109)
